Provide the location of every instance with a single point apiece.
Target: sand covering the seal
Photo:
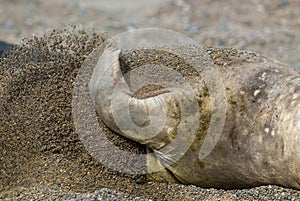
(38, 144)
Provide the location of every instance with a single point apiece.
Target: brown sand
(36, 160)
(40, 149)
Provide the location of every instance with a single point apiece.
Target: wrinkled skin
(260, 140)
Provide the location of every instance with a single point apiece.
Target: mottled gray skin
(260, 141)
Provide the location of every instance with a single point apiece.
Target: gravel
(36, 80)
(41, 157)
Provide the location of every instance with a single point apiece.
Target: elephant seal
(259, 143)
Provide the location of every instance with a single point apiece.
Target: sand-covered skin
(42, 157)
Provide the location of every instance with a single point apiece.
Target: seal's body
(259, 139)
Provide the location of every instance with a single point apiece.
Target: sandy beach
(42, 157)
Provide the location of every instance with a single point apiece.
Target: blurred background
(268, 27)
